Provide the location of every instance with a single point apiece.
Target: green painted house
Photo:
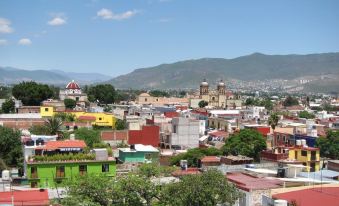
(49, 174)
(139, 153)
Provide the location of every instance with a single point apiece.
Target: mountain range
(257, 66)
(10, 75)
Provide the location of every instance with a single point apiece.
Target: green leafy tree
(65, 117)
(54, 125)
(120, 124)
(247, 142)
(193, 155)
(329, 145)
(104, 93)
(32, 93)
(202, 104)
(39, 130)
(273, 120)
(306, 115)
(90, 136)
(158, 93)
(11, 147)
(208, 189)
(89, 190)
(8, 106)
(5, 92)
(290, 101)
(70, 103)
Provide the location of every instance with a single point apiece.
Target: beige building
(220, 98)
(145, 98)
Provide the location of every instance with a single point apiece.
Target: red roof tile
(87, 118)
(53, 145)
(189, 171)
(328, 196)
(25, 198)
(218, 134)
(210, 159)
(248, 182)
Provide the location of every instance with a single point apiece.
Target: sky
(115, 37)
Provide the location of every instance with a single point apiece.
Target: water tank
(183, 164)
(303, 142)
(6, 175)
(280, 203)
(298, 142)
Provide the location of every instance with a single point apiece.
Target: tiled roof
(87, 118)
(328, 196)
(53, 145)
(25, 198)
(218, 134)
(189, 171)
(248, 182)
(209, 159)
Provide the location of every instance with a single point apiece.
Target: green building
(139, 153)
(49, 174)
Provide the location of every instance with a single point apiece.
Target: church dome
(204, 83)
(72, 85)
(221, 83)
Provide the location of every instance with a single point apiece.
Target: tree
(54, 125)
(329, 145)
(5, 92)
(8, 106)
(89, 190)
(247, 142)
(193, 155)
(90, 136)
(202, 104)
(70, 103)
(273, 120)
(32, 93)
(39, 130)
(11, 147)
(208, 189)
(290, 101)
(65, 117)
(120, 124)
(306, 115)
(158, 93)
(104, 93)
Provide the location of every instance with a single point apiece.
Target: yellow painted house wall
(305, 159)
(101, 119)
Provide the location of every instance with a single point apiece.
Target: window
(34, 172)
(100, 118)
(174, 128)
(145, 99)
(148, 156)
(105, 168)
(278, 137)
(46, 109)
(303, 153)
(295, 154)
(60, 171)
(77, 99)
(284, 137)
(82, 169)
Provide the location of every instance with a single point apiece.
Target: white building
(185, 133)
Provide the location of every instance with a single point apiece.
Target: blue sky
(117, 36)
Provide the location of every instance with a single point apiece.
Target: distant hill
(257, 66)
(10, 75)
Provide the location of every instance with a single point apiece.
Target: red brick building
(148, 135)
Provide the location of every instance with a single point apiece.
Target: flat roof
(21, 116)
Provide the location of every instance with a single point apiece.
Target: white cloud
(5, 26)
(57, 21)
(3, 42)
(108, 14)
(25, 42)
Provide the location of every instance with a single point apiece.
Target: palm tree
(273, 121)
(54, 125)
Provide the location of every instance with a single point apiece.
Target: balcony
(269, 155)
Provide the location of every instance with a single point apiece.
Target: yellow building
(309, 156)
(97, 118)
